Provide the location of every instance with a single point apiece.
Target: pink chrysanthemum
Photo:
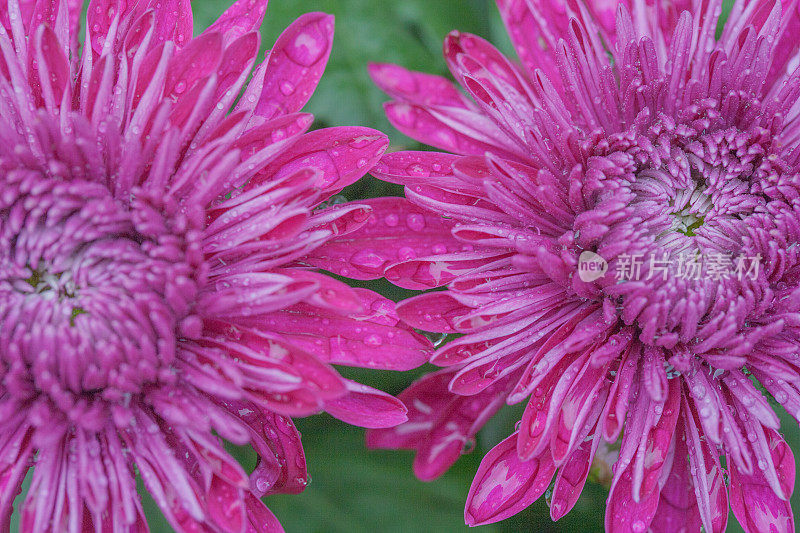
(154, 215)
(630, 139)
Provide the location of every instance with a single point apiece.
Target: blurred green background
(353, 489)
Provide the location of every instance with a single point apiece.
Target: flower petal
(396, 231)
(416, 87)
(241, 18)
(367, 407)
(295, 65)
(752, 499)
(433, 312)
(374, 338)
(504, 485)
(342, 155)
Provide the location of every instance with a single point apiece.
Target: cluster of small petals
(629, 130)
(156, 214)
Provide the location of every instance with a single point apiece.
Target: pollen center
(93, 295)
(690, 211)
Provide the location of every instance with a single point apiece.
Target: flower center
(94, 294)
(691, 212)
(673, 219)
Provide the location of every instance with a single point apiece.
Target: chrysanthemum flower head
(155, 210)
(616, 222)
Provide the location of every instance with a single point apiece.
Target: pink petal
(367, 407)
(485, 371)
(374, 338)
(342, 155)
(753, 501)
(281, 466)
(268, 351)
(236, 64)
(53, 71)
(453, 429)
(396, 231)
(493, 81)
(174, 20)
(534, 32)
(572, 477)
(423, 168)
(341, 219)
(707, 476)
(225, 505)
(677, 507)
(455, 130)
(260, 519)
(14, 463)
(416, 87)
(195, 62)
(49, 12)
(424, 399)
(504, 485)
(431, 312)
(645, 452)
(623, 513)
(613, 417)
(295, 65)
(536, 426)
(241, 18)
(436, 270)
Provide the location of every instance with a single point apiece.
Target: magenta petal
(423, 399)
(49, 12)
(572, 477)
(647, 448)
(260, 518)
(53, 71)
(374, 338)
(531, 32)
(456, 130)
(504, 485)
(622, 512)
(453, 430)
(193, 63)
(225, 505)
(436, 270)
(753, 501)
(423, 168)
(416, 87)
(312, 371)
(707, 476)
(431, 312)
(367, 407)
(677, 507)
(174, 20)
(281, 467)
(14, 464)
(332, 294)
(295, 65)
(342, 155)
(241, 18)
(397, 230)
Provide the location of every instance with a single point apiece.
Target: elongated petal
(295, 65)
(401, 232)
(367, 407)
(504, 485)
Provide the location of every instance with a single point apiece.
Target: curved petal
(504, 485)
(295, 65)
